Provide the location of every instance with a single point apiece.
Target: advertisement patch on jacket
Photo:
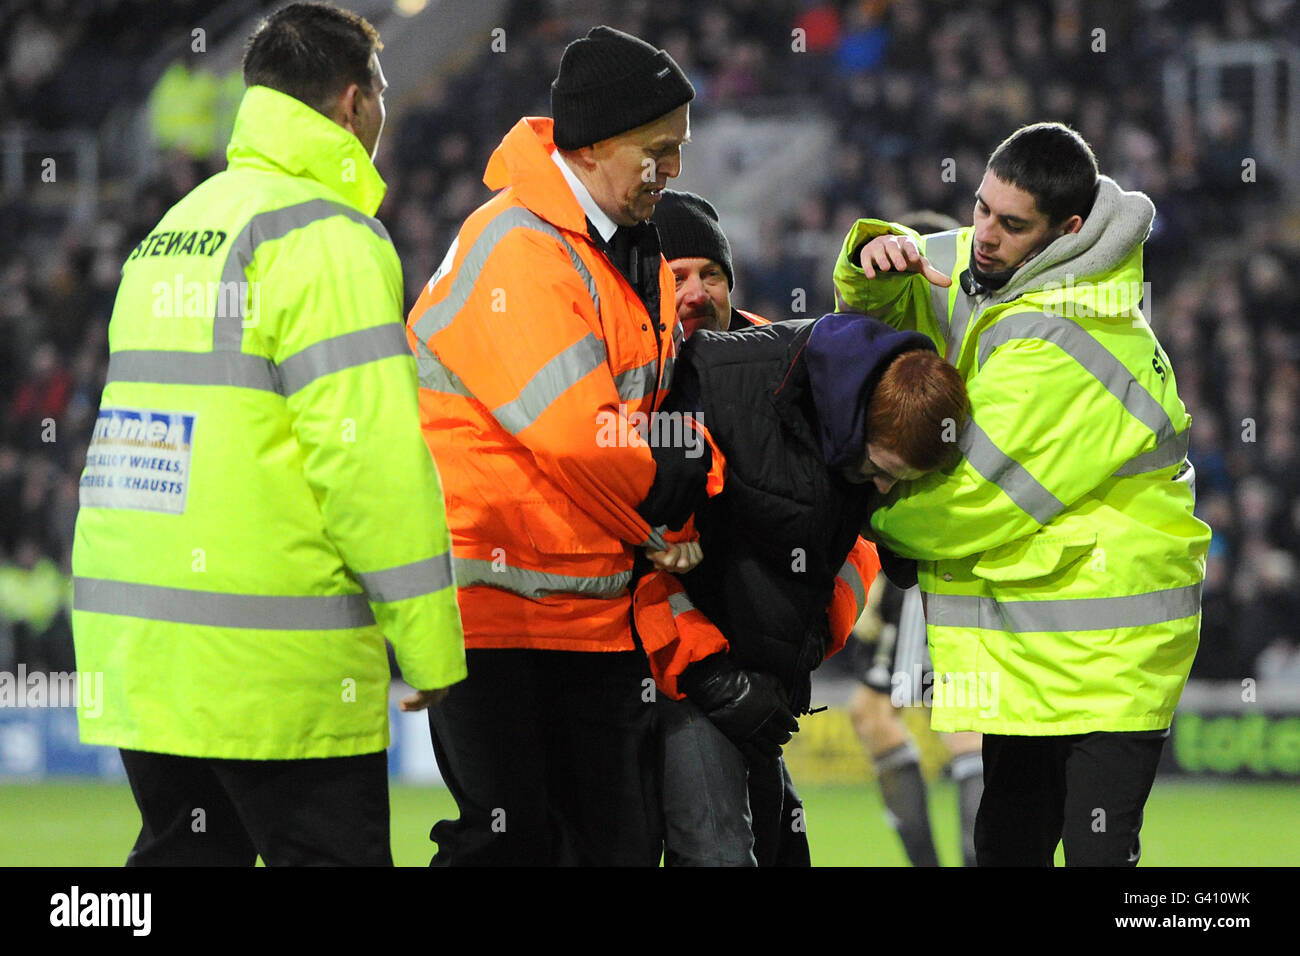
(139, 459)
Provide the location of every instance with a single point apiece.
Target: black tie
(621, 245)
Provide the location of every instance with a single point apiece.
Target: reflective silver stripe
(1074, 614)
(435, 376)
(1009, 475)
(670, 363)
(941, 250)
(241, 370)
(228, 330)
(587, 278)
(326, 612)
(962, 309)
(1070, 338)
(680, 603)
(637, 382)
(849, 575)
(342, 351)
(536, 584)
(234, 369)
(439, 315)
(911, 654)
(656, 540)
(670, 366)
(409, 580)
(1171, 451)
(551, 381)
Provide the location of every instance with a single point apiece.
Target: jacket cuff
(674, 633)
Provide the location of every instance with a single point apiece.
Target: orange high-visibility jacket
(538, 362)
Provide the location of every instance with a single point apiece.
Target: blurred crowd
(920, 94)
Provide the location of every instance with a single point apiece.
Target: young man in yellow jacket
(545, 341)
(238, 559)
(1062, 585)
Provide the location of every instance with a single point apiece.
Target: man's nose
(671, 166)
(693, 291)
(883, 483)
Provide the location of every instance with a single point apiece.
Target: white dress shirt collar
(604, 225)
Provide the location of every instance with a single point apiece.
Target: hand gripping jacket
(538, 362)
(258, 510)
(1060, 562)
(675, 633)
(778, 534)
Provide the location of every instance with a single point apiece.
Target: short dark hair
(1053, 164)
(312, 52)
(917, 409)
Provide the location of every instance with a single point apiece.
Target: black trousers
(550, 756)
(1086, 790)
(195, 811)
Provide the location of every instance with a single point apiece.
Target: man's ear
(584, 157)
(345, 107)
(1073, 224)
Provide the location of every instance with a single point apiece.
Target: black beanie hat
(688, 229)
(610, 82)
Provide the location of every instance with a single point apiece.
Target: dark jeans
(719, 809)
(197, 811)
(1087, 790)
(550, 757)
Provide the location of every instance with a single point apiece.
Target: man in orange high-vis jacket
(544, 341)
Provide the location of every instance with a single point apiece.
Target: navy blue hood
(845, 356)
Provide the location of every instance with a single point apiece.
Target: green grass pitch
(1188, 823)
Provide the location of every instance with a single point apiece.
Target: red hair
(917, 409)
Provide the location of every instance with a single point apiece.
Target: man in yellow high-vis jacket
(259, 509)
(1059, 559)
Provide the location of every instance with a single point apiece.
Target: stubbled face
(370, 113)
(629, 171)
(703, 296)
(882, 467)
(1009, 229)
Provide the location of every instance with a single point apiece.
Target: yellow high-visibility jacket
(258, 509)
(1060, 562)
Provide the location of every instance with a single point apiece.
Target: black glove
(748, 706)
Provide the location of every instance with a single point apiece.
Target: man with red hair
(804, 423)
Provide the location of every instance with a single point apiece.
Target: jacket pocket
(559, 529)
(1034, 556)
